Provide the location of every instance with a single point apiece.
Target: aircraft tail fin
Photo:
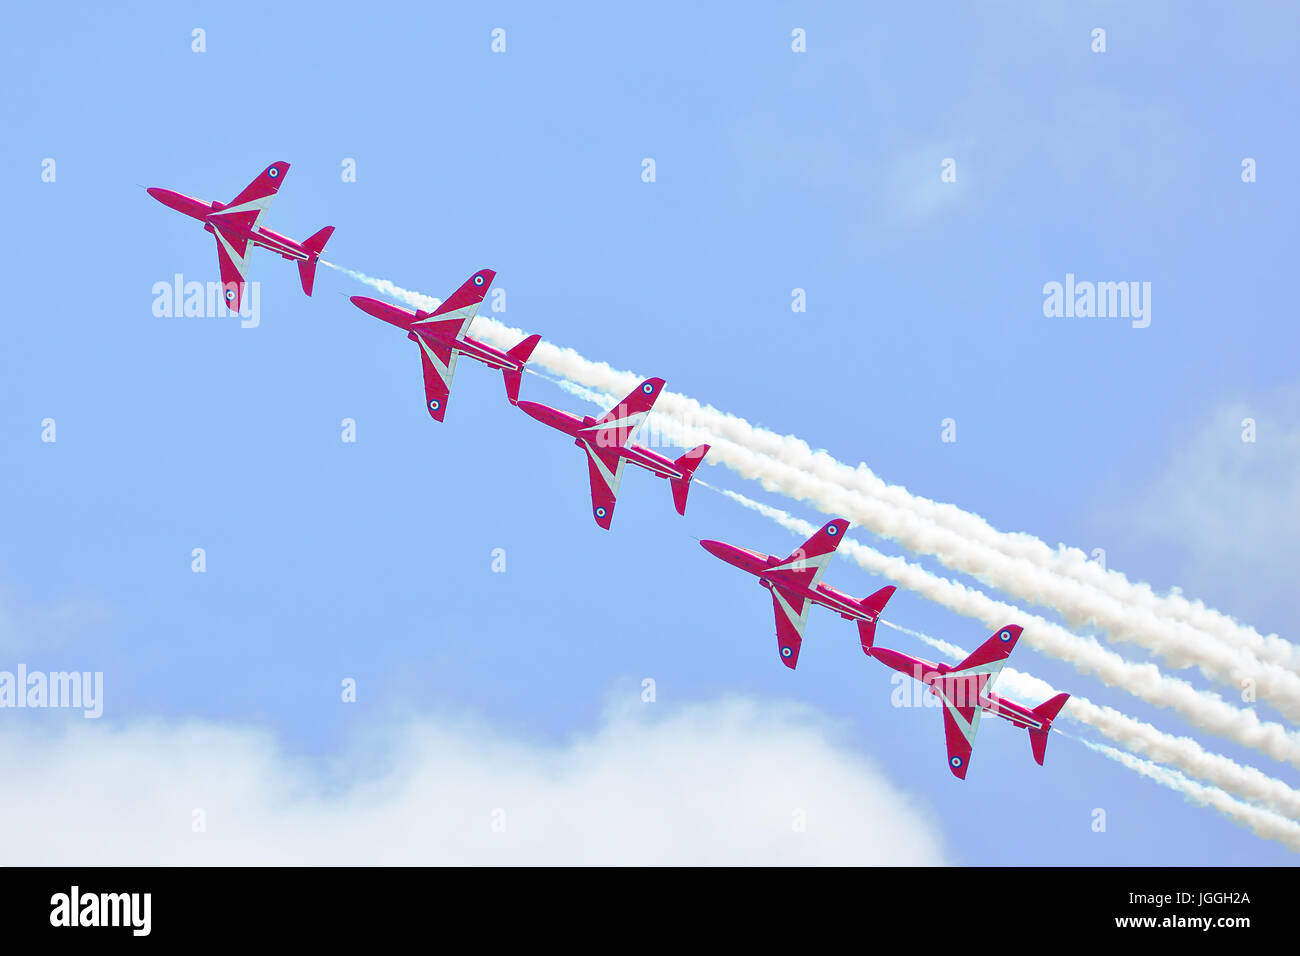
(521, 353)
(307, 273)
(307, 267)
(1046, 713)
(316, 244)
(687, 464)
(873, 605)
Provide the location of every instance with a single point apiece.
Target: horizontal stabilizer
(1046, 713)
(521, 353)
(872, 606)
(316, 244)
(686, 464)
(307, 274)
(307, 267)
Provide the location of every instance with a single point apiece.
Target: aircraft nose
(717, 549)
(531, 409)
(194, 208)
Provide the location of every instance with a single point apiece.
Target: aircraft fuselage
(758, 565)
(479, 351)
(930, 673)
(424, 325)
(203, 210)
(584, 431)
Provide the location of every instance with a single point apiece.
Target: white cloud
(715, 783)
(27, 627)
(913, 190)
(1231, 511)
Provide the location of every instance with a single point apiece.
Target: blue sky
(775, 170)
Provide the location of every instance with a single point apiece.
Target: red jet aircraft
(237, 225)
(608, 443)
(966, 691)
(795, 587)
(441, 337)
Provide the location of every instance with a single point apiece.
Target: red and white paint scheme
(795, 583)
(608, 443)
(966, 692)
(441, 337)
(237, 226)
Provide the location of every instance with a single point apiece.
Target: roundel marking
(648, 388)
(273, 172)
(601, 512)
(1004, 636)
(230, 295)
(435, 404)
(786, 652)
(478, 280)
(955, 761)
(832, 530)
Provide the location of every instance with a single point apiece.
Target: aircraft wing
(985, 663)
(616, 427)
(807, 562)
(438, 360)
(247, 209)
(606, 473)
(959, 727)
(232, 256)
(454, 314)
(962, 689)
(791, 617)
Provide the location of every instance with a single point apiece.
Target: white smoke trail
(717, 427)
(1177, 642)
(965, 543)
(415, 299)
(1184, 753)
(1266, 824)
(1201, 708)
